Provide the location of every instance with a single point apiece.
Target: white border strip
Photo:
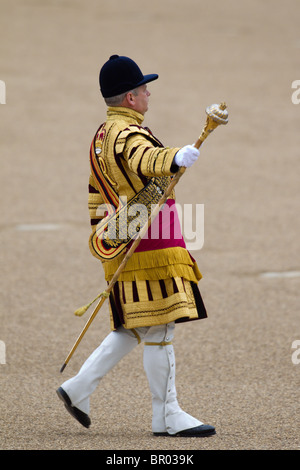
(37, 227)
(280, 275)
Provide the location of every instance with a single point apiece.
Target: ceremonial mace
(216, 115)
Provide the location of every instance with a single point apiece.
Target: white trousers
(159, 365)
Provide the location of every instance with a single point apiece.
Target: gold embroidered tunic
(159, 282)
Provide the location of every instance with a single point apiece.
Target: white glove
(186, 156)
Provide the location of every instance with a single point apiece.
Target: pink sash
(164, 232)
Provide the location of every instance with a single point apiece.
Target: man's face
(142, 99)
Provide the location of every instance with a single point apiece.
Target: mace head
(218, 113)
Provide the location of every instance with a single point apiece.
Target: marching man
(158, 287)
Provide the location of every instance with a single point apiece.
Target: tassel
(80, 311)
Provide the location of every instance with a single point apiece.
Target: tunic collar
(126, 114)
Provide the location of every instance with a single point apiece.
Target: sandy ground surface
(235, 369)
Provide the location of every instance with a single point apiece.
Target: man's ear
(130, 98)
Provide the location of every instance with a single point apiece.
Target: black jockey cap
(120, 74)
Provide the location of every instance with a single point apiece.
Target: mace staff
(216, 115)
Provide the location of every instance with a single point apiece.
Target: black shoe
(204, 430)
(82, 417)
